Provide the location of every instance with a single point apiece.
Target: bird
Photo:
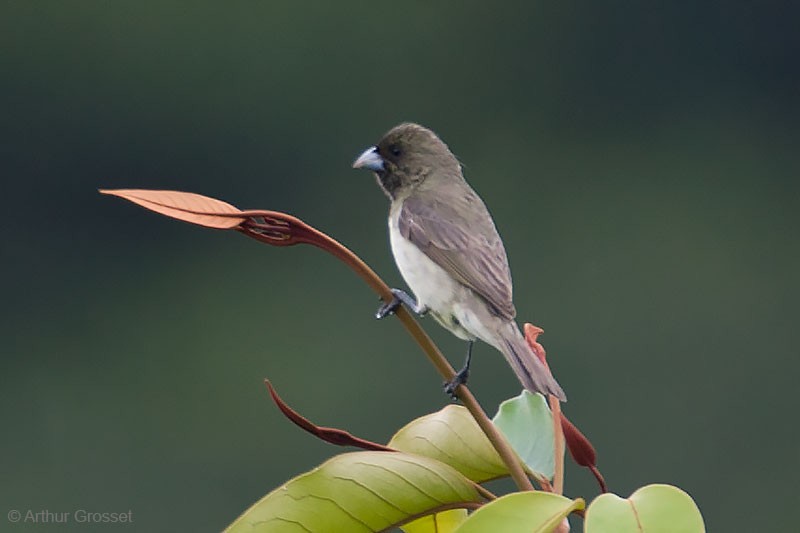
(448, 251)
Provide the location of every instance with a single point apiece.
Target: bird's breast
(431, 284)
(433, 287)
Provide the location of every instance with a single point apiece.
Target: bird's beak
(370, 159)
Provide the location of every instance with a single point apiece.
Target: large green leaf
(453, 437)
(521, 512)
(527, 423)
(360, 491)
(651, 509)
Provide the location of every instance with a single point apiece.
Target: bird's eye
(395, 150)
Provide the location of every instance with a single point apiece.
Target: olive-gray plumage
(447, 247)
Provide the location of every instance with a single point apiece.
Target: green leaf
(453, 437)
(444, 522)
(521, 512)
(651, 509)
(527, 423)
(360, 491)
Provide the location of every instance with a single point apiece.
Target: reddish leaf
(531, 334)
(581, 450)
(579, 446)
(186, 206)
(332, 435)
(271, 227)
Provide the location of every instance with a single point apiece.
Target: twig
(531, 336)
(558, 437)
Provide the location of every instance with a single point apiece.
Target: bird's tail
(532, 373)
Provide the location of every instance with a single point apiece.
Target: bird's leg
(461, 376)
(400, 297)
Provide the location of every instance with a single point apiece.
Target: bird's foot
(459, 379)
(461, 376)
(400, 297)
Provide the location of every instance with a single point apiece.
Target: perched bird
(448, 250)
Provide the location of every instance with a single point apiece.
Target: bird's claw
(459, 379)
(388, 308)
(400, 297)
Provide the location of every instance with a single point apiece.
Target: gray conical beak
(370, 159)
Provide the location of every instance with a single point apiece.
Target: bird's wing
(460, 236)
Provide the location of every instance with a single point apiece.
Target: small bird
(447, 249)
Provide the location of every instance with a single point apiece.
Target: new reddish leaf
(186, 206)
(339, 437)
(581, 450)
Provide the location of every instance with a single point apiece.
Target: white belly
(453, 305)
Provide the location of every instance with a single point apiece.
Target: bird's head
(406, 156)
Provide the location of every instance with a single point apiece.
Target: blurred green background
(640, 159)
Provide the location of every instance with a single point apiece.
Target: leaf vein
(335, 504)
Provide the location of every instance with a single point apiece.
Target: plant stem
(302, 232)
(494, 435)
(483, 491)
(558, 437)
